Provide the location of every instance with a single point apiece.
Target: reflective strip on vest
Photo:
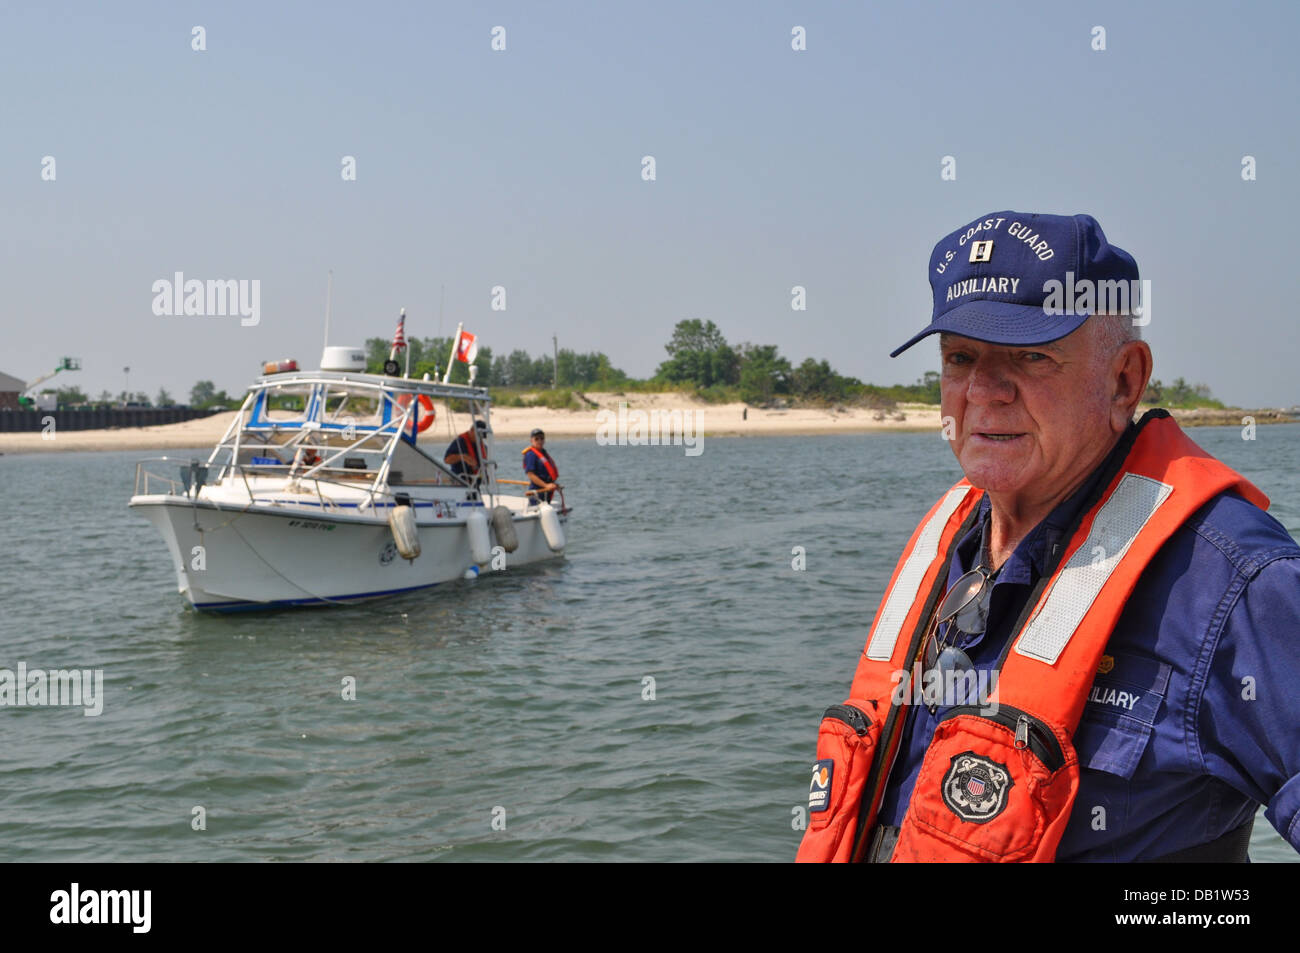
(1080, 581)
(908, 584)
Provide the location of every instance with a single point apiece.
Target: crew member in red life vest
(465, 454)
(306, 456)
(1089, 648)
(540, 469)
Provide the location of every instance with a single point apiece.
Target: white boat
(342, 500)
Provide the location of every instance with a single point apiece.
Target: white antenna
(329, 295)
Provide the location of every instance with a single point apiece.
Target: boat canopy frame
(398, 421)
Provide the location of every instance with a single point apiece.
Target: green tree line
(75, 398)
(699, 359)
(516, 369)
(1179, 394)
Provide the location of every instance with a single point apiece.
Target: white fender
(551, 527)
(504, 525)
(476, 524)
(401, 520)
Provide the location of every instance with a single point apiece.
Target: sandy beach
(515, 423)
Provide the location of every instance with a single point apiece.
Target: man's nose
(988, 382)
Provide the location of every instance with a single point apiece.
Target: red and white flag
(399, 336)
(466, 348)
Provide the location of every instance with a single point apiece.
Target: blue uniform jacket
(533, 464)
(1198, 720)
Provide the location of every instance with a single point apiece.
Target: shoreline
(515, 423)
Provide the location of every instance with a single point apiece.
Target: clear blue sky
(522, 168)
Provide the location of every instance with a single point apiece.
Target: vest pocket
(995, 787)
(846, 744)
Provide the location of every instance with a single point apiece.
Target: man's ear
(1130, 374)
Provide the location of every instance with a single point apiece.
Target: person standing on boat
(465, 454)
(540, 468)
(1133, 606)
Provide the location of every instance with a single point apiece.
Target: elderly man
(1125, 593)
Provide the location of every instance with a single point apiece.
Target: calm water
(521, 692)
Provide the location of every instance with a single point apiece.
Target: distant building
(10, 388)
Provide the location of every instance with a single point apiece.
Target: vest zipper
(855, 718)
(1030, 732)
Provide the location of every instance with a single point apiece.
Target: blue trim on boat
(244, 606)
(297, 422)
(380, 505)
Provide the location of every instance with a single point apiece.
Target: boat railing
(312, 467)
(316, 462)
(149, 481)
(532, 491)
(266, 457)
(324, 459)
(370, 383)
(146, 480)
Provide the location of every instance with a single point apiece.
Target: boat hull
(263, 557)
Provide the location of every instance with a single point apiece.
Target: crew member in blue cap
(540, 468)
(1127, 595)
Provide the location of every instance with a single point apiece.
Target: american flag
(399, 336)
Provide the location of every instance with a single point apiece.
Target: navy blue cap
(990, 278)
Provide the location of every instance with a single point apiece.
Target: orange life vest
(469, 457)
(546, 461)
(998, 786)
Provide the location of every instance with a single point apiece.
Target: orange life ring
(427, 413)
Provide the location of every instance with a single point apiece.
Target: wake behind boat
(337, 501)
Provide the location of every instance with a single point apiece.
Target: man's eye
(1034, 356)
(957, 357)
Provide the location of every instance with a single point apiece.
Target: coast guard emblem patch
(819, 790)
(981, 251)
(975, 787)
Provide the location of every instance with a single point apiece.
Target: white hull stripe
(908, 585)
(1130, 507)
